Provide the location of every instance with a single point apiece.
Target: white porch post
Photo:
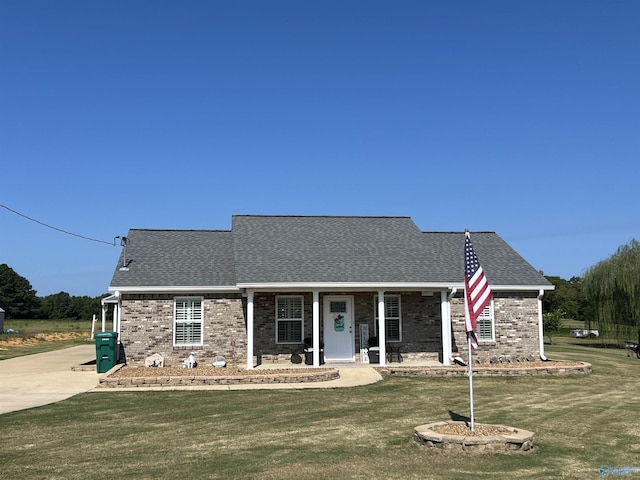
(382, 332)
(316, 328)
(541, 326)
(445, 313)
(249, 330)
(105, 308)
(117, 312)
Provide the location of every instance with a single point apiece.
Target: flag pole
(477, 296)
(472, 424)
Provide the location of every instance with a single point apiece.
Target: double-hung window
(289, 319)
(187, 321)
(393, 320)
(485, 324)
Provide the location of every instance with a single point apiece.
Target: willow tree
(613, 285)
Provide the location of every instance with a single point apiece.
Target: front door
(338, 329)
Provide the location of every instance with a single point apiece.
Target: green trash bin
(106, 345)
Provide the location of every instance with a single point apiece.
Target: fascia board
(175, 288)
(345, 286)
(385, 286)
(520, 288)
(318, 286)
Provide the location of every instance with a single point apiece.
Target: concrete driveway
(43, 378)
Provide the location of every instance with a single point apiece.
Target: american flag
(476, 289)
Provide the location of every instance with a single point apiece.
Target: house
(255, 293)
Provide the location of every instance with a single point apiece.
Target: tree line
(19, 300)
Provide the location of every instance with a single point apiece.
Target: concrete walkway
(44, 378)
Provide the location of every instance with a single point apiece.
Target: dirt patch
(16, 340)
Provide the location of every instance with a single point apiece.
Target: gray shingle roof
(177, 258)
(307, 249)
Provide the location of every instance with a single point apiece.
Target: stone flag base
(508, 440)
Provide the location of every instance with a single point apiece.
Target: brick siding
(516, 329)
(147, 328)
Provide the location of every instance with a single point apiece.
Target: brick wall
(516, 329)
(147, 328)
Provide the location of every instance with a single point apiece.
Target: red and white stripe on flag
(476, 289)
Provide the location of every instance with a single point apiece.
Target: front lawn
(581, 422)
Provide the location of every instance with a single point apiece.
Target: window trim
(199, 321)
(388, 318)
(300, 319)
(487, 315)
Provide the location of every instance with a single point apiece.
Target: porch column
(445, 313)
(541, 326)
(105, 308)
(249, 330)
(382, 331)
(116, 318)
(316, 328)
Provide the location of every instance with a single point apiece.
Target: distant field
(37, 336)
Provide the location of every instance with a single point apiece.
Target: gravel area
(478, 430)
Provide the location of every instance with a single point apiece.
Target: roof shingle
(309, 249)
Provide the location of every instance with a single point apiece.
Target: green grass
(581, 422)
(24, 342)
(32, 327)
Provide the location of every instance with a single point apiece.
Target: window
(393, 323)
(289, 319)
(188, 322)
(484, 324)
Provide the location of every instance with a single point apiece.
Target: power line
(56, 228)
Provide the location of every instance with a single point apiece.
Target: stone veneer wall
(516, 329)
(147, 328)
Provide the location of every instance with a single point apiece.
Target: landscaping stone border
(515, 441)
(198, 380)
(490, 370)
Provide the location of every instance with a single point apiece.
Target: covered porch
(338, 327)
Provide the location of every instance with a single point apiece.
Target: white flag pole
(471, 382)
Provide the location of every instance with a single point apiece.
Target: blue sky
(515, 117)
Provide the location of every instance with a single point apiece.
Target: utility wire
(57, 229)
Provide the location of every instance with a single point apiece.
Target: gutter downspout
(541, 326)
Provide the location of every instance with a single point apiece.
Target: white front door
(339, 342)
